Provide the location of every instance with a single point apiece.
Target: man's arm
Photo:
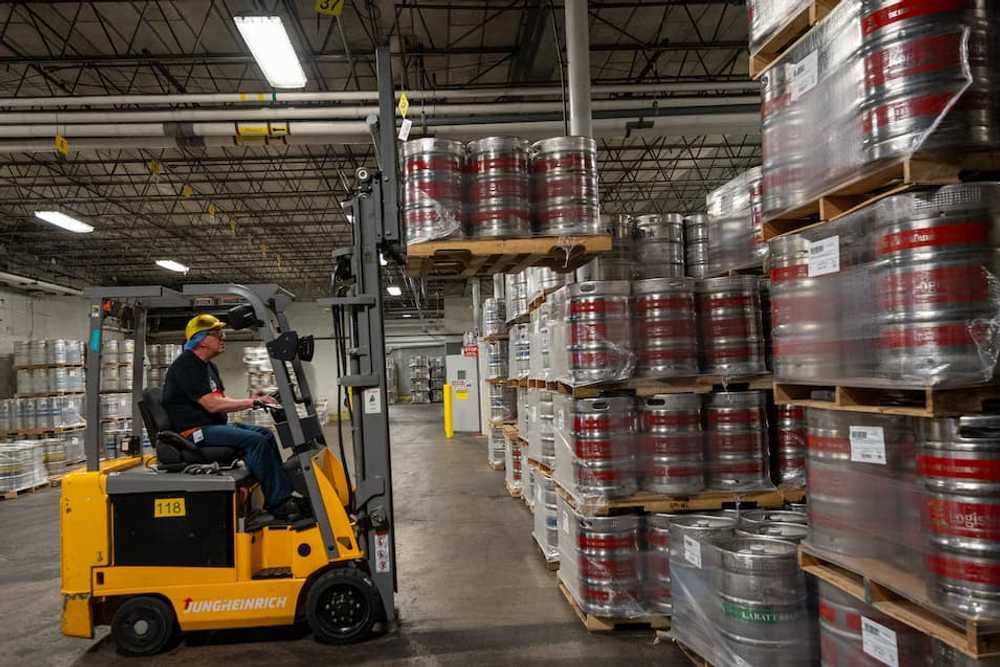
(216, 403)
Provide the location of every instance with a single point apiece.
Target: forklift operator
(195, 400)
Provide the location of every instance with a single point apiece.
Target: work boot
(286, 511)
(305, 507)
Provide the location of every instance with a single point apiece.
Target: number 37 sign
(329, 7)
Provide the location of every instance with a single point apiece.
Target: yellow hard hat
(203, 322)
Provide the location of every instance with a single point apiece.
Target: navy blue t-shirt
(188, 379)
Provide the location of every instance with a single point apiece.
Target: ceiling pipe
(257, 99)
(335, 133)
(578, 68)
(352, 112)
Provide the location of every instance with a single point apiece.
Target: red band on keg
(912, 107)
(745, 416)
(593, 449)
(567, 187)
(791, 412)
(914, 57)
(963, 233)
(415, 165)
(726, 354)
(964, 283)
(652, 356)
(938, 466)
(605, 542)
(477, 216)
(672, 420)
(667, 329)
(674, 471)
(577, 161)
(786, 273)
(819, 443)
(423, 216)
(498, 188)
(942, 335)
(720, 328)
(717, 301)
(434, 190)
(754, 466)
(952, 568)
(594, 306)
(977, 520)
(658, 538)
(513, 164)
(908, 9)
(643, 304)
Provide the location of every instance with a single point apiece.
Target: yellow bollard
(449, 428)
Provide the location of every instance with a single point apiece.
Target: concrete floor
(473, 589)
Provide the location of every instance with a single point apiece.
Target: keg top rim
(671, 401)
(776, 530)
(565, 143)
(498, 142)
(704, 521)
(757, 547)
(653, 285)
(712, 284)
(432, 144)
(739, 399)
(600, 288)
(772, 516)
(650, 219)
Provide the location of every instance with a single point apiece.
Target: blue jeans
(259, 450)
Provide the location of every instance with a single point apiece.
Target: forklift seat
(173, 452)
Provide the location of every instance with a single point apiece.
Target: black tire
(342, 606)
(143, 626)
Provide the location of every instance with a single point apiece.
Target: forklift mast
(357, 281)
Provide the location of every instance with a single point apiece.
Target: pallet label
(805, 75)
(868, 444)
(824, 256)
(879, 642)
(692, 551)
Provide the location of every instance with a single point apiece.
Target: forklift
(154, 545)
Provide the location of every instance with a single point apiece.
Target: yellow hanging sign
(329, 7)
(232, 226)
(212, 210)
(404, 105)
(186, 190)
(62, 146)
(154, 167)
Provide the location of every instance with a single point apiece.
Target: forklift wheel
(143, 626)
(342, 606)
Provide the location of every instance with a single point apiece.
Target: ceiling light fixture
(393, 290)
(270, 46)
(381, 260)
(407, 315)
(171, 265)
(64, 221)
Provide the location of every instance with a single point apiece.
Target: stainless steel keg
(494, 317)
(564, 186)
(732, 342)
(432, 189)
(660, 245)
(600, 333)
(664, 327)
(671, 444)
(608, 565)
(604, 448)
(498, 192)
(736, 440)
(619, 263)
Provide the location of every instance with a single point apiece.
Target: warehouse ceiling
(269, 208)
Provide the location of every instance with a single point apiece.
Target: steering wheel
(259, 404)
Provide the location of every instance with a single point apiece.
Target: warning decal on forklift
(168, 507)
(373, 401)
(382, 552)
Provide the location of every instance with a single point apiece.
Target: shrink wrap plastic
(903, 292)
(875, 81)
(919, 494)
(735, 224)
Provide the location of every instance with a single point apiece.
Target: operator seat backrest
(154, 415)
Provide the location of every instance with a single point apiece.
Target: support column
(578, 65)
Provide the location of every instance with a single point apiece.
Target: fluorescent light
(269, 44)
(407, 315)
(393, 290)
(62, 220)
(171, 265)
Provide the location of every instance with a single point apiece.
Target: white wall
(23, 317)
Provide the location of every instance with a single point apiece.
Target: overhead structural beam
(578, 66)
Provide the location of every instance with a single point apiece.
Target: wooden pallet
(657, 502)
(697, 384)
(551, 565)
(785, 37)
(499, 465)
(44, 432)
(492, 338)
(755, 268)
(523, 318)
(793, 494)
(689, 653)
(875, 183)
(606, 624)
(11, 495)
(464, 258)
(513, 491)
(883, 398)
(540, 467)
(511, 432)
(902, 596)
(48, 394)
(19, 368)
(539, 299)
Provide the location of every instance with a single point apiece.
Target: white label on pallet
(868, 444)
(879, 642)
(692, 551)
(404, 129)
(824, 256)
(805, 75)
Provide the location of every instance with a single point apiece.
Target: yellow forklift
(156, 545)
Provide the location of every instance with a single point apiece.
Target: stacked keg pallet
(875, 99)
(500, 205)
(883, 264)
(436, 365)
(117, 359)
(420, 379)
(45, 419)
(158, 359)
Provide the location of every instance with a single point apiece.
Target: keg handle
(979, 426)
